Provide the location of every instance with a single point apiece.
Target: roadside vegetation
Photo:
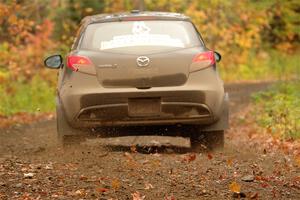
(259, 40)
(270, 65)
(34, 96)
(278, 110)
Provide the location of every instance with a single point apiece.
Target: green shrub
(35, 96)
(278, 110)
(269, 65)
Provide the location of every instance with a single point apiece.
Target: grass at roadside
(32, 97)
(269, 65)
(278, 110)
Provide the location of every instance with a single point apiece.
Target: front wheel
(208, 140)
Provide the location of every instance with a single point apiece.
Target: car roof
(134, 15)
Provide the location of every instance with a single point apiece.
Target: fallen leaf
(25, 196)
(148, 186)
(80, 192)
(261, 178)
(131, 163)
(102, 190)
(190, 157)
(133, 149)
(264, 185)
(254, 196)
(235, 187)
(274, 192)
(209, 156)
(115, 184)
(83, 178)
(222, 177)
(169, 198)
(235, 174)
(49, 167)
(155, 163)
(265, 151)
(229, 162)
(128, 156)
(103, 178)
(28, 175)
(137, 196)
(297, 159)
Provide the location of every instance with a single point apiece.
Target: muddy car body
(141, 68)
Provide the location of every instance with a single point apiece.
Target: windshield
(129, 36)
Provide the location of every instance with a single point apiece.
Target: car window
(77, 38)
(151, 35)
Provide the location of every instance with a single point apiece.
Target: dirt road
(32, 166)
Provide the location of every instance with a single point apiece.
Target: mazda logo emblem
(142, 61)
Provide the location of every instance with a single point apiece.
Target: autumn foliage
(24, 42)
(235, 28)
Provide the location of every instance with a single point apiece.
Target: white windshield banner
(141, 40)
(141, 37)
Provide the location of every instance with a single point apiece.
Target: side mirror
(218, 56)
(53, 62)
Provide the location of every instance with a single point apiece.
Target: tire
(66, 134)
(208, 140)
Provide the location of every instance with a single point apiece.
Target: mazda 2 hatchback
(137, 69)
